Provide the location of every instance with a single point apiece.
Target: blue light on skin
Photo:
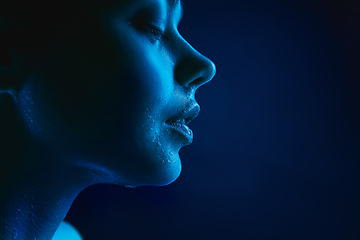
(99, 94)
(66, 231)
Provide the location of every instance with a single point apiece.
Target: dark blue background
(277, 144)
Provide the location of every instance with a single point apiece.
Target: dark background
(277, 144)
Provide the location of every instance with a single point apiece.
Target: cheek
(131, 91)
(146, 74)
(113, 110)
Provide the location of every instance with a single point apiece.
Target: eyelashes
(152, 31)
(157, 33)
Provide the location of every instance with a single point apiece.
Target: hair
(40, 13)
(26, 23)
(37, 23)
(34, 22)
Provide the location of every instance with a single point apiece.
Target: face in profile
(115, 97)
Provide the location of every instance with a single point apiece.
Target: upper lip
(188, 114)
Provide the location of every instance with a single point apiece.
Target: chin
(163, 177)
(160, 175)
(143, 163)
(170, 178)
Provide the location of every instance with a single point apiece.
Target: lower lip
(183, 130)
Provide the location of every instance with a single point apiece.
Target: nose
(193, 69)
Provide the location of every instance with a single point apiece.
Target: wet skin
(105, 94)
(91, 107)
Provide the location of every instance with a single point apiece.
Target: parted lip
(188, 114)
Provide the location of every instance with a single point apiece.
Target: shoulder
(67, 231)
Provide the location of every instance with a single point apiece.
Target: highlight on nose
(194, 69)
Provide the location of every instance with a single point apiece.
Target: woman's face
(102, 95)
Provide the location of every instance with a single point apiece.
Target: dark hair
(33, 14)
(36, 21)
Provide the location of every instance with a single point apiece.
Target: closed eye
(152, 31)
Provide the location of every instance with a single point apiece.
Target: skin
(90, 107)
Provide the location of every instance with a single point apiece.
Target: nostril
(206, 72)
(197, 82)
(193, 68)
(207, 75)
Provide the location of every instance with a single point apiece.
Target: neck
(34, 202)
(32, 213)
(36, 188)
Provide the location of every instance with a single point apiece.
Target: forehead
(171, 9)
(171, 5)
(45, 15)
(174, 2)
